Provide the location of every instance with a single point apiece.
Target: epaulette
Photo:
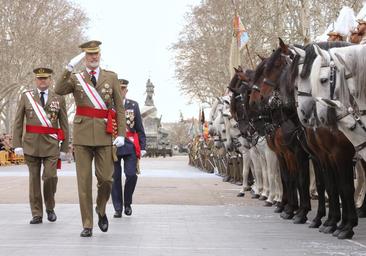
(110, 71)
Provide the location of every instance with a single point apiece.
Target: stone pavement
(167, 225)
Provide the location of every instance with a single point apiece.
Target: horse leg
(330, 225)
(284, 181)
(320, 187)
(304, 182)
(246, 168)
(257, 172)
(361, 180)
(272, 169)
(348, 205)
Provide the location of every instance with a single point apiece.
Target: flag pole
(250, 57)
(246, 45)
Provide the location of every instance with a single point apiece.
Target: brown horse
(283, 129)
(335, 154)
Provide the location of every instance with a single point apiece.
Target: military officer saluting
(131, 152)
(46, 122)
(99, 105)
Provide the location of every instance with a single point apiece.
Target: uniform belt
(110, 114)
(46, 130)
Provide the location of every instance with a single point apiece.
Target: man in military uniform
(131, 152)
(99, 118)
(46, 125)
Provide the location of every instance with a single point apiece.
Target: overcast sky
(135, 39)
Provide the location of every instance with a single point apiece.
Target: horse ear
(236, 70)
(319, 51)
(342, 61)
(283, 46)
(298, 51)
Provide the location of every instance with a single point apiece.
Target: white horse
(338, 82)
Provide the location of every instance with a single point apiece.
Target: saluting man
(131, 152)
(99, 105)
(46, 122)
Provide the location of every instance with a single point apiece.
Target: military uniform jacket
(40, 145)
(134, 125)
(89, 131)
(134, 121)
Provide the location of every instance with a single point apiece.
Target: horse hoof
(286, 216)
(226, 179)
(346, 234)
(321, 229)
(241, 194)
(329, 229)
(336, 232)
(315, 224)
(267, 204)
(255, 196)
(262, 198)
(278, 209)
(300, 220)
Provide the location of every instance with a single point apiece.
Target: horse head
(273, 71)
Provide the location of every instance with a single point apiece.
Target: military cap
(43, 72)
(123, 82)
(91, 46)
(361, 21)
(333, 33)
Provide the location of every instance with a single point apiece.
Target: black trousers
(122, 198)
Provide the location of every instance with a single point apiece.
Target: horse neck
(355, 60)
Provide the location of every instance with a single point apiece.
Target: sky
(136, 37)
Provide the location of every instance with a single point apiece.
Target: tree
(32, 34)
(203, 48)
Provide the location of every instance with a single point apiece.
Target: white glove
(62, 155)
(19, 151)
(143, 152)
(74, 61)
(119, 141)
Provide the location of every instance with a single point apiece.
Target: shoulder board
(109, 71)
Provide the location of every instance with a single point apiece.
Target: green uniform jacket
(90, 131)
(41, 145)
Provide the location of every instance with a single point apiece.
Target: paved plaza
(177, 210)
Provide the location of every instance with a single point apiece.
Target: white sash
(91, 92)
(40, 113)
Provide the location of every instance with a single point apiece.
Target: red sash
(134, 137)
(46, 130)
(110, 114)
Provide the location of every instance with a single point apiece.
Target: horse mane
(272, 59)
(311, 55)
(356, 61)
(259, 70)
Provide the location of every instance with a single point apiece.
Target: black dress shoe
(36, 220)
(128, 210)
(103, 221)
(240, 194)
(117, 214)
(51, 215)
(87, 232)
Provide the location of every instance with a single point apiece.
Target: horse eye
(323, 80)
